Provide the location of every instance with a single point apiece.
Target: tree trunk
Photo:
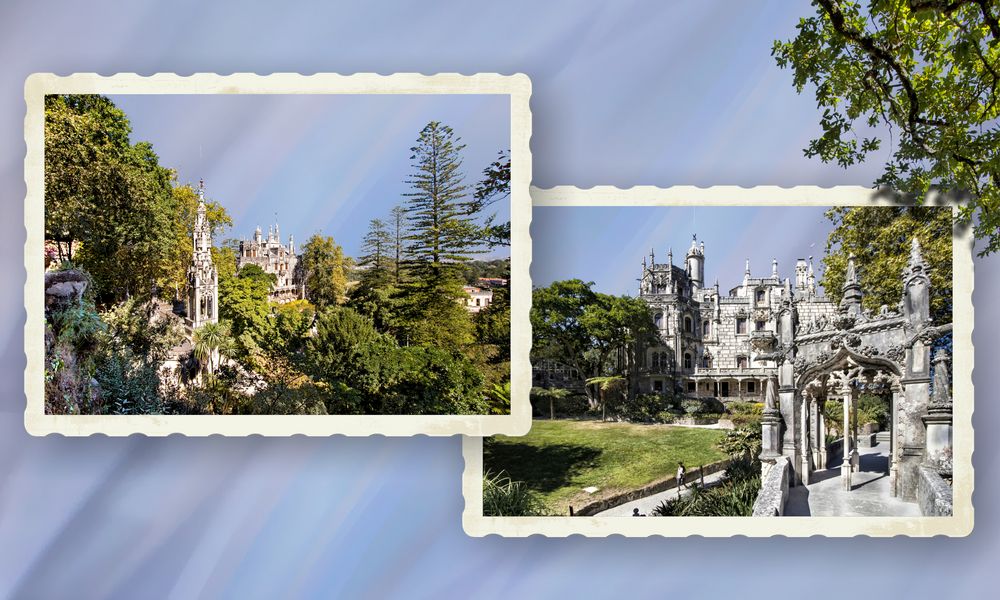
(552, 408)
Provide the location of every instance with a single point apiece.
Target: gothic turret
(203, 279)
(696, 264)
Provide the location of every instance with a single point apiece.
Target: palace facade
(716, 344)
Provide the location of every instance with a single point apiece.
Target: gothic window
(659, 320)
(705, 328)
(760, 295)
(741, 362)
(751, 387)
(656, 360)
(741, 325)
(687, 360)
(760, 325)
(688, 326)
(706, 362)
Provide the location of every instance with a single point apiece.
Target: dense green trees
(880, 239)
(597, 334)
(325, 268)
(397, 340)
(926, 70)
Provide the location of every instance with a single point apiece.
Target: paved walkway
(869, 496)
(647, 504)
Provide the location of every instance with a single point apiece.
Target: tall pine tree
(441, 236)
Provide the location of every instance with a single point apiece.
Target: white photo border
(958, 525)
(517, 86)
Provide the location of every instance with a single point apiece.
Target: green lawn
(557, 459)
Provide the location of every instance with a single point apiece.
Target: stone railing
(773, 490)
(749, 372)
(934, 495)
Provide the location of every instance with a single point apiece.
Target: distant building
(277, 259)
(491, 282)
(478, 298)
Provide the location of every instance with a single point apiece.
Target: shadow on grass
(541, 468)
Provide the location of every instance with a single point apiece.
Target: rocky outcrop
(64, 288)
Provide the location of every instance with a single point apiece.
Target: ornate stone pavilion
(841, 357)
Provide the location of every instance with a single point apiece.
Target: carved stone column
(938, 419)
(897, 397)
(806, 461)
(855, 457)
(846, 465)
(770, 424)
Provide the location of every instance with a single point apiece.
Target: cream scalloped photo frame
(959, 524)
(517, 86)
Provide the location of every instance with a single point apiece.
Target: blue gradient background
(625, 93)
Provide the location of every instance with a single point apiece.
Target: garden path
(869, 497)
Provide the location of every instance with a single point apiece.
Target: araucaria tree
(441, 236)
(929, 71)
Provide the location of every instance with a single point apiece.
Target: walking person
(681, 471)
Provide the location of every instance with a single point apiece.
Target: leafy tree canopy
(929, 71)
(880, 238)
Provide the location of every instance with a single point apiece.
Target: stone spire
(851, 303)
(652, 256)
(670, 256)
(774, 267)
(746, 272)
(811, 277)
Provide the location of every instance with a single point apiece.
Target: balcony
(763, 340)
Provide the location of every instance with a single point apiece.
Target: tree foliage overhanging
(929, 72)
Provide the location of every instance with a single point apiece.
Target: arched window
(706, 328)
(687, 360)
(658, 319)
(760, 295)
(688, 326)
(656, 360)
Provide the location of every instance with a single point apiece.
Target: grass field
(557, 459)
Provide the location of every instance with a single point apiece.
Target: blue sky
(606, 244)
(316, 163)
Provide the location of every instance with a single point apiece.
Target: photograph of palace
(781, 361)
(277, 254)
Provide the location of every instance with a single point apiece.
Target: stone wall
(934, 495)
(773, 490)
(656, 487)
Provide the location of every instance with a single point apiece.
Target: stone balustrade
(773, 490)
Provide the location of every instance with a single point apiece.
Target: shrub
(503, 497)
(702, 406)
(733, 497)
(645, 408)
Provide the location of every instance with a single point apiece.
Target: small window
(705, 328)
(688, 327)
(761, 325)
(741, 362)
(751, 387)
(690, 386)
(659, 320)
(760, 295)
(656, 360)
(741, 325)
(687, 360)
(658, 386)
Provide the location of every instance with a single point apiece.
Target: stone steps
(883, 437)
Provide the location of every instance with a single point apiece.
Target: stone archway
(842, 377)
